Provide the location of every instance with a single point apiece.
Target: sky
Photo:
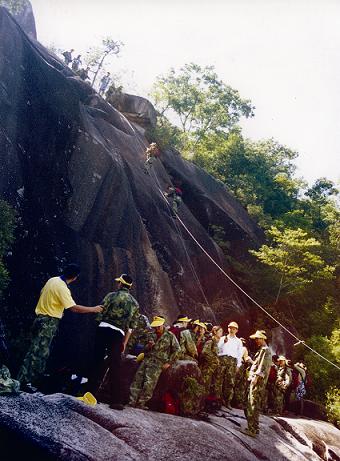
(284, 55)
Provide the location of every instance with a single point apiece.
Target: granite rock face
(25, 17)
(58, 427)
(73, 167)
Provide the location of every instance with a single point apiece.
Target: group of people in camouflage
(284, 379)
(228, 374)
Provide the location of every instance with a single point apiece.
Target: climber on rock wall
(151, 153)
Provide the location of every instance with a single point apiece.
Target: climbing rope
(193, 270)
(244, 292)
(192, 267)
(299, 341)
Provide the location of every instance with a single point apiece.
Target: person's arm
(86, 310)
(126, 338)
(239, 354)
(174, 351)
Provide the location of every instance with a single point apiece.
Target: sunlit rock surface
(62, 428)
(72, 165)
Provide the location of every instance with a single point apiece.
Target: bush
(333, 406)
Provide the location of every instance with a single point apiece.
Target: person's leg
(115, 361)
(151, 377)
(137, 384)
(219, 378)
(255, 397)
(98, 368)
(43, 332)
(229, 380)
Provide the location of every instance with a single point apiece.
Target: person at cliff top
(161, 352)
(55, 297)
(104, 83)
(258, 376)
(183, 335)
(230, 349)
(76, 63)
(283, 381)
(68, 56)
(84, 73)
(115, 324)
(151, 153)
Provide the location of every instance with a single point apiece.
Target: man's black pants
(108, 343)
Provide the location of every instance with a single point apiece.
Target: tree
(201, 103)
(259, 174)
(294, 256)
(13, 6)
(98, 55)
(7, 225)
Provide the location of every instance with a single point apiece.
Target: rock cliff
(62, 428)
(72, 165)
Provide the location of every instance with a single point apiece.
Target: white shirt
(108, 325)
(233, 347)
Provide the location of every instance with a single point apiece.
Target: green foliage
(201, 103)
(333, 405)
(259, 174)
(323, 374)
(97, 55)
(295, 257)
(13, 6)
(7, 225)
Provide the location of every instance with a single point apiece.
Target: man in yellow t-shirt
(55, 297)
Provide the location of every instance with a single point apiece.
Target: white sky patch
(282, 54)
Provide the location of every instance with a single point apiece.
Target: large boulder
(73, 168)
(23, 14)
(58, 427)
(172, 380)
(136, 109)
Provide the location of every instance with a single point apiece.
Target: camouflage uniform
(34, 365)
(120, 311)
(260, 367)
(165, 350)
(209, 363)
(241, 382)
(281, 385)
(188, 346)
(139, 336)
(7, 384)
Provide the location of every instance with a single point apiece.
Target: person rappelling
(174, 196)
(152, 152)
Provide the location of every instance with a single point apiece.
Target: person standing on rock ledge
(161, 352)
(115, 325)
(55, 297)
(230, 349)
(258, 376)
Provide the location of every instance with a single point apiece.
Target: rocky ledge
(59, 427)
